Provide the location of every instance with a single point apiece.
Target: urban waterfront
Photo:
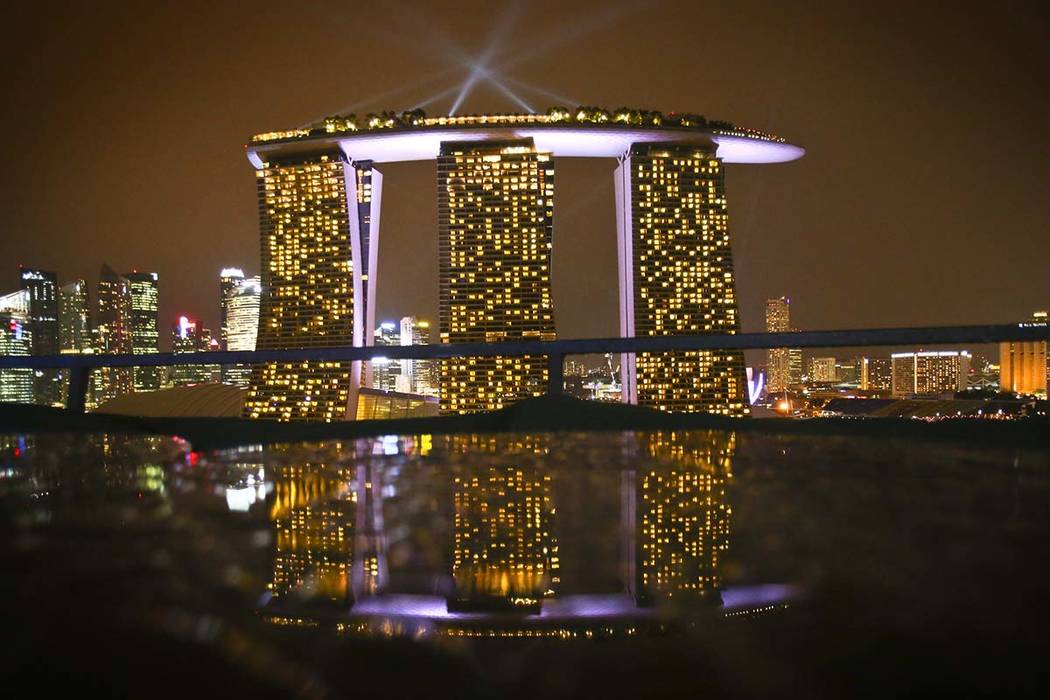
(571, 564)
(531, 349)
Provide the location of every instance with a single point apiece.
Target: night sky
(924, 197)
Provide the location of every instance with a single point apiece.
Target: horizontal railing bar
(939, 335)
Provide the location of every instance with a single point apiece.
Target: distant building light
(231, 272)
(185, 326)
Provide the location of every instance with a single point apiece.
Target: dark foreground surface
(661, 563)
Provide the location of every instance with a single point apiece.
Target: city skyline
(785, 220)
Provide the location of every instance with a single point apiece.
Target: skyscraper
(189, 336)
(778, 360)
(74, 327)
(229, 278)
(415, 375)
(318, 282)
(876, 374)
(42, 287)
(113, 336)
(794, 364)
(676, 277)
(239, 314)
(1022, 364)
(938, 372)
(16, 339)
(495, 228)
(145, 324)
(383, 371)
(822, 370)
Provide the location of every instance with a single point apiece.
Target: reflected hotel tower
(319, 205)
(477, 546)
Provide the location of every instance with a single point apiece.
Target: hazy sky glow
(922, 199)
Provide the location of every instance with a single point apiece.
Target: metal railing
(80, 366)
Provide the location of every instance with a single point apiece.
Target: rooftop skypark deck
(585, 132)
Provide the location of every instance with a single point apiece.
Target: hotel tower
(319, 225)
(495, 222)
(676, 277)
(319, 211)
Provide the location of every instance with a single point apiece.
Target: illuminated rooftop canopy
(585, 133)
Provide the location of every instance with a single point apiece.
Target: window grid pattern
(495, 228)
(307, 289)
(682, 270)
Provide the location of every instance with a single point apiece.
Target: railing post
(78, 377)
(555, 374)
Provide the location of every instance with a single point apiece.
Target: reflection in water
(120, 551)
(504, 551)
(475, 525)
(680, 516)
(313, 517)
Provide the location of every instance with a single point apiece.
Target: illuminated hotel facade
(925, 373)
(319, 211)
(495, 228)
(676, 277)
(783, 365)
(319, 223)
(1022, 364)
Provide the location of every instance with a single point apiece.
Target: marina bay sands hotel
(320, 203)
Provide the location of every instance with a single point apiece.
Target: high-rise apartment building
(42, 287)
(495, 228)
(16, 339)
(876, 374)
(924, 373)
(1022, 364)
(112, 336)
(848, 371)
(239, 315)
(779, 365)
(822, 370)
(319, 222)
(145, 326)
(74, 326)
(676, 277)
(794, 364)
